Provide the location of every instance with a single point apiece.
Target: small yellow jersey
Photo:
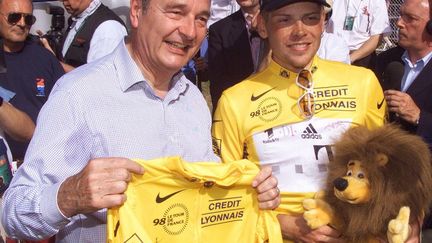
(260, 119)
(176, 201)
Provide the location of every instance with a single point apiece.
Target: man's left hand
(403, 105)
(266, 186)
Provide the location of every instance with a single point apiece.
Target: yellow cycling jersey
(259, 119)
(175, 201)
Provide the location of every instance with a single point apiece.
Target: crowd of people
(306, 66)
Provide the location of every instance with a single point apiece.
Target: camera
(55, 34)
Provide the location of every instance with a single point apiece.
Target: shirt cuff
(49, 207)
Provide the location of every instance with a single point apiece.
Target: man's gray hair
(145, 4)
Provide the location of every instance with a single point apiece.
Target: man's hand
(295, 228)
(266, 186)
(403, 105)
(44, 41)
(415, 232)
(101, 184)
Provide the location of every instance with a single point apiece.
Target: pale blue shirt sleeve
(105, 39)
(59, 149)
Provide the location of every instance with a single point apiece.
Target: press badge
(349, 23)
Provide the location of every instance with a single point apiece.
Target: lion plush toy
(378, 183)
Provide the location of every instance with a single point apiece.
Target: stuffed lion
(379, 183)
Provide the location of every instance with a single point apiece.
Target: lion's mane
(406, 180)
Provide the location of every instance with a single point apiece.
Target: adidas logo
(310, 133)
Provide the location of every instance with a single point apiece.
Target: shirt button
(208, 184)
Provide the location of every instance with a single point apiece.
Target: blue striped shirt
(103, 109)
(412, 70)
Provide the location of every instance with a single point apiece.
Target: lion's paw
(398, 228)
(316, 213)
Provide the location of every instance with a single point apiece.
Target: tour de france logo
(269, 109)
(177, 217)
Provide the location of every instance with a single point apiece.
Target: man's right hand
(44, 41)
(101, 184)
(295, 228)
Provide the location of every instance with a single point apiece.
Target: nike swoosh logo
(163, 199)
(254, 98)
(380, 104)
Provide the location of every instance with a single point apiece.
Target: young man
(288, 115)
(134, 103)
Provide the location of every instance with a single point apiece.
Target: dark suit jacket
(420, 91)
(229, 54)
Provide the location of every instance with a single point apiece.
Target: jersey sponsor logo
(334, 98)
(268, 109)
(379, 105)
(222, 211)
(174, 220)
(163, 199)
(270, 136)
(284, 73)
(310, 133)
(40, 87)
(255, 98)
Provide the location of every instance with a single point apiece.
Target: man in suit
(234, 48)
(411, 99)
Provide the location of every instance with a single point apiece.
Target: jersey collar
(274, 67)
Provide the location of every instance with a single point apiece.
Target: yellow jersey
(175, 201)
(259, 119)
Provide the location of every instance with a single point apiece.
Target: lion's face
(354, 187)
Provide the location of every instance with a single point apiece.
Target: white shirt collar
(88, 11)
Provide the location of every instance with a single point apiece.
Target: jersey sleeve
(227, 142)
(376, 105)
(268, 228)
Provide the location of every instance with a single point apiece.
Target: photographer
(93, 32)
(54, 36)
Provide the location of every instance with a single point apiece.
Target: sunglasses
(14, 18)
(305, 102)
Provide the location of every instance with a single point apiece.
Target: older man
(31, 71)
(289, 115)
(93, 32)
(134, 103)
(408, 94)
